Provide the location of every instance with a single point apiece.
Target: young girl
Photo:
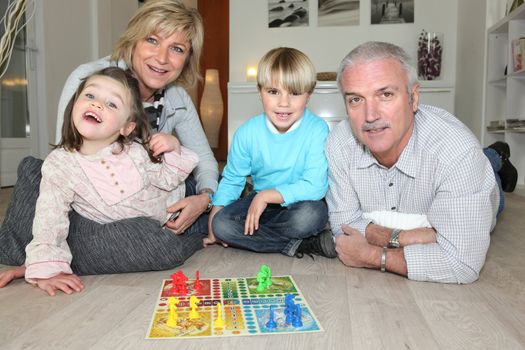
(282, 150)
(104, 170)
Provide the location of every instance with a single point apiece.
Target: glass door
(16, 135)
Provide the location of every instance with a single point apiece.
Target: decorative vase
(429, 55)
(211, 107)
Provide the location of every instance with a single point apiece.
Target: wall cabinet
(504, 91)
(326, 101)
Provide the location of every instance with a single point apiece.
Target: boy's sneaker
(508, 173)
(502, 148)
(322, 244)
(509, 176)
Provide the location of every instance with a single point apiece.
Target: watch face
(393, 244)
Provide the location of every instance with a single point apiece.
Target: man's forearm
(380, 236)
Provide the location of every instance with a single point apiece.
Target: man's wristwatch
(209, 192)
(394, 238)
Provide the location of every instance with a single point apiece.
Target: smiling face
(282, 107)
(101, 112)
(158, 61)
(379, 107)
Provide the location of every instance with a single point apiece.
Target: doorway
(18, 136)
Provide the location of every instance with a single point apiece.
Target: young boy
(282, 150)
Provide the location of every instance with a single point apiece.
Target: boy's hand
(254, 213)
(257, 207)
(161, 143)
(211, 236)
(9, 275)
(66, 283)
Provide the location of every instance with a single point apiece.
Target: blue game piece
(271, 322)
(290, 307)
(296, 322)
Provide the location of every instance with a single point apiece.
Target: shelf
(501, 81)
(503, 94)
(516, 130)
(502, 26)
(518, 74)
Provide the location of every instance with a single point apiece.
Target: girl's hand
(68, 284)
(161, 143)
(12, 274)
(255, 211)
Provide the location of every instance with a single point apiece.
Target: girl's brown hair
(71, 138)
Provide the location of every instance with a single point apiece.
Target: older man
(410, 190)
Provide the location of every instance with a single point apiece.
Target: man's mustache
(378, 124)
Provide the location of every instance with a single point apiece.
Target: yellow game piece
(193, 305)
(172, 307)
(219, 321)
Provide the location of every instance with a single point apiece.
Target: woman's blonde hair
(288, 67)
(167, 16)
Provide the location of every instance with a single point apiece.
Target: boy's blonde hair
(288, 67)
(168, 16)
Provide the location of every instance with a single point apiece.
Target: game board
(245, 310)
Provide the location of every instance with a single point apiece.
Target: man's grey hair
(378, 50)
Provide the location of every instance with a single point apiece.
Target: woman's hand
(190, 209)
(12, 274)
(68, 284)
(161, 143)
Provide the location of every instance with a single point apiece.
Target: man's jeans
(496, 162)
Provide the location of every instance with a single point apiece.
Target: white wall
(463, 23)
(76, 31)
(70, 33)
(470, 63)
(250, 37)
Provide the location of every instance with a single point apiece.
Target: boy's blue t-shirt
(293, 163)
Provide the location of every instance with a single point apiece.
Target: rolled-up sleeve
(463, 214)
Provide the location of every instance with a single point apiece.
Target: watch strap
(209, 192)
(394, 238)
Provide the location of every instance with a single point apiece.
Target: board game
(224, 307)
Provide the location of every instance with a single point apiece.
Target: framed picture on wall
(513, 4)
(338, 13)
(288, 13)
(392, 11)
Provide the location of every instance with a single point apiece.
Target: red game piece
(174, 283)
(197, 283)
(182, 289)
(178, 284)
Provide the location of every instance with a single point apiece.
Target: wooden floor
(358, 308)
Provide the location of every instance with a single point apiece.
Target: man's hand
(161, 143)
(378, 235)
(190, 209)
(68, 284)
(354, 250)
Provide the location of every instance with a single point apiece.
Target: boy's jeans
(281, 229)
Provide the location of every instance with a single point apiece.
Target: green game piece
(264, 278)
